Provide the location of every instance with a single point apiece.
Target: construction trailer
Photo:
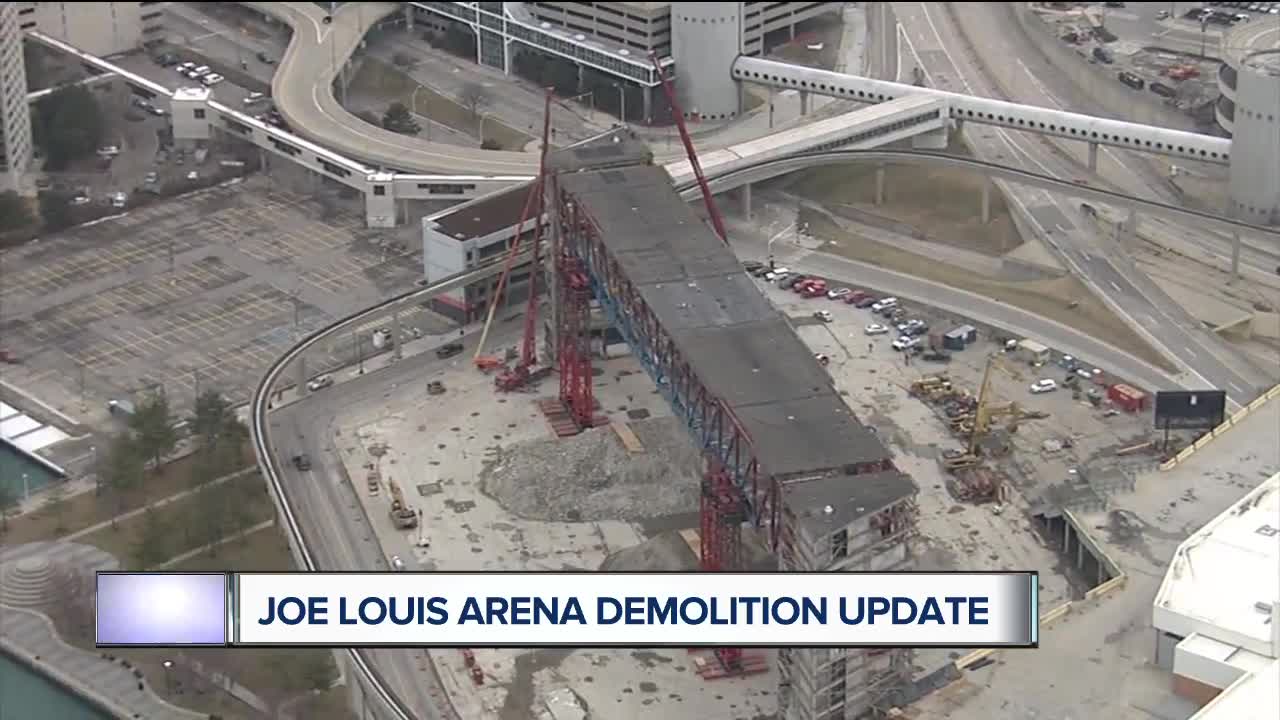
(1032, 352)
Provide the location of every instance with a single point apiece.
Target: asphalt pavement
(337, 529)
(935, 44)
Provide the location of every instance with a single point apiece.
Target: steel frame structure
(712, 424)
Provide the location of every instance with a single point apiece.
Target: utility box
(1033, 352)
(1127, 397)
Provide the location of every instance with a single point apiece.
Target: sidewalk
(30, 638)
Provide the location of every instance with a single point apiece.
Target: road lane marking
(1190, 352)
(1114, 285)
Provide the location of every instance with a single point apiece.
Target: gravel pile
(666, 552)
(591, 476)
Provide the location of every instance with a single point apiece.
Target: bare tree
(474, 97)
(72, 610)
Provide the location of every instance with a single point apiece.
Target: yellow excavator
(402, 515)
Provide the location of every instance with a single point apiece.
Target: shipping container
(1127, 397)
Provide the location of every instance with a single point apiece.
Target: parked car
(266, 59)
(823, 360)
(108, 151)
(855, 296)
(875, 329)
(864, 302)
(839, 293)
(905, 343)
(302, 462)
(824, 315)
(789, 283)
(775, 273)
(749, 265)
(319, 383)
(883, 304)
(79, 200)
(448, 351)
(212, 79)
(256, 97)
(1043, 386)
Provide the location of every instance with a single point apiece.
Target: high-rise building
(99, 28)
(15, 118)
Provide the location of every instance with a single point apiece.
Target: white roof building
(1217, 612)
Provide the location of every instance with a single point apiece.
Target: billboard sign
(1190, 409)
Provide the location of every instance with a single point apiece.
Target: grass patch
(86, 509)
(185, 522)
(391, 84)
(942, 204)
(274, 675)
(1047, 298)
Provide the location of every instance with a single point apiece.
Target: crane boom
(678, 115)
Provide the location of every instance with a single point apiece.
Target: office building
(15, 119)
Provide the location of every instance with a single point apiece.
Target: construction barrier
(1049, 617)
(1226, 425)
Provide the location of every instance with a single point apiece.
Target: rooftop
(482, 216)
(825, 505)
(1222, 575)
(1255, 696)
(737, 343)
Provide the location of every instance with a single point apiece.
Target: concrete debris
(665, 552)
(592, 477)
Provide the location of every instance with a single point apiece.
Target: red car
(856, 297)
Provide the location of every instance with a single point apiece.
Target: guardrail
(1226, 425)
(260, 432)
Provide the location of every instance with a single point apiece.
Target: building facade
(98, 28)
(699, 39)
(15, 120)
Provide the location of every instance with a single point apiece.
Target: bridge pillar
(744, 198)
(1129, 228)
(804, 102)
(1235, 256)
(301, 390)
(408, 17)
(879, 184)
(396, 351)
(1093, 157)
(986, 200)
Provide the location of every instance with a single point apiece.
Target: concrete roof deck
(738, 344)
(1221, 573)
(482, 216)
(849, 497)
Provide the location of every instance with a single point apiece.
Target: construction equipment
(515, 378)
(931, 387)
(403, 517)
(678, 115)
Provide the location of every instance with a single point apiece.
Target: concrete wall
(1195, 691)
(442, 255)
(99, 28)
(1097, 81)
(705, 40)
(1254, 183)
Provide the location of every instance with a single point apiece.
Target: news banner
(567, 609)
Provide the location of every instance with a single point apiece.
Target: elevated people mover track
(260, 430)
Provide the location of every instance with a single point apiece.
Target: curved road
(302, 91)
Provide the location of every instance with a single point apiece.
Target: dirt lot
(379, 79)
(1047, 298)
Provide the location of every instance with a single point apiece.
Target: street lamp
(483, 117)
(26, 487)
(622, 102)
(413, 108)
(780, 233)
(168, 679)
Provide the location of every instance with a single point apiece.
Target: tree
(8, 502)
(121, 469)
(369, 116)
(474, 97)
(214, 504)
(55, 504)
(152, 545)
(67, 125)
(14, 212)
(152, 423)
(399, 119)
(213, 417)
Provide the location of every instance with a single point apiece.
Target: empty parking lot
(206, 289)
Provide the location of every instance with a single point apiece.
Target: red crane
(517, 377)
(678, 114)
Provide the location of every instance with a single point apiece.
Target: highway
(935, 44)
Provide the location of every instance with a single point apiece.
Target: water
(26, 695)
(13, 465)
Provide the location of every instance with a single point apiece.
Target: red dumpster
(1127, 397)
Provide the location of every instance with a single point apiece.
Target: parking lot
(205, 289)
(955, 533)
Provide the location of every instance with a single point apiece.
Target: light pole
(780, 233)
(413, 107)
(168, 682)
(26, 487)
(622, 102)
(483, 117)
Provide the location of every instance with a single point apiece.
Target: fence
(1222, 429)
